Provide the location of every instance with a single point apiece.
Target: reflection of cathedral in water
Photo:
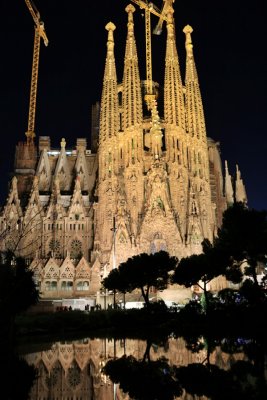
(72, 371)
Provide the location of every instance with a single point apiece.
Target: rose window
(76, 248)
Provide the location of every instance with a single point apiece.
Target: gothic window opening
(74, 377)
(133, 150)
(51, 286)
(54, 247)
(76, 249)
(83, 285)
(67, 286)
(109, 162)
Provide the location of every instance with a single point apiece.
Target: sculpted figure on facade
(155, 181)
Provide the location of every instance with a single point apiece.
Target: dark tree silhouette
(243, 238)
(144, 379)
(241, 241)
(17, 288)
(200, 269)
(143, 272)
(17, 293)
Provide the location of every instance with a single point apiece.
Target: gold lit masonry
(152, 179)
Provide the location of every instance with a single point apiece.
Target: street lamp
(114, 229)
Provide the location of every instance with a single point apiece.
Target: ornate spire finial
(110, 27)
(188, 41)
(130, 9)
(63, 143)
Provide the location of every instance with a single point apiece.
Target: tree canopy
(241, 240)
(143, 272)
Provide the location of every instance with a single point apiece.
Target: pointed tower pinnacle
(132, 100)
(174, 111)
(155, 131)
(109, 101)
(194, 106)
(229, 192)
(240, 191)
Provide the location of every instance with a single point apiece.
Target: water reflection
(195, 369)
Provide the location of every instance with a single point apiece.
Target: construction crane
(163, 16)
(39, 32)
(150, 8)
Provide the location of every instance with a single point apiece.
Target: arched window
(76, 249)
(83, 285)
(66, 285)
(51, 286)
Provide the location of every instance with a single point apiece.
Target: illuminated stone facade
(150, 182)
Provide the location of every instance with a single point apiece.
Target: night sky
(230, 52)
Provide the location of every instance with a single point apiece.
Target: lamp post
(114, 229)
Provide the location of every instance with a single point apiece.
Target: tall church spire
(194, 106)
(109, 101)
(174, 112)
(132, 100)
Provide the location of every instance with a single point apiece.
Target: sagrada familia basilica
(149, 182)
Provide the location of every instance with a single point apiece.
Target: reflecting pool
(109, 369)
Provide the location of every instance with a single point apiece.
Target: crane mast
(150, 8)
(149, 80)
(163, 16)
(150, 96)
(39, 32)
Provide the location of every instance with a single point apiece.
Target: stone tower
(150, 182)
(154, 187)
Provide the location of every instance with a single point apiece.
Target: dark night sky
(230, 51)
